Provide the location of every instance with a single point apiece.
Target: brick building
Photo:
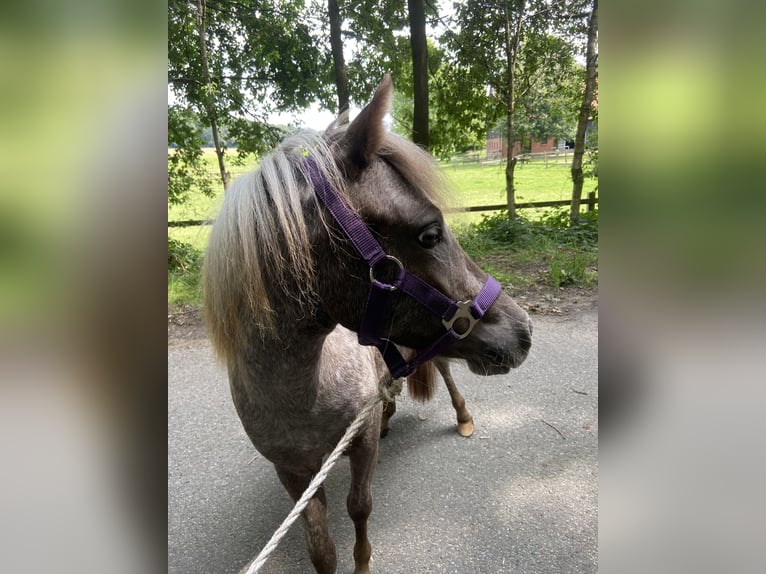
(497, 146)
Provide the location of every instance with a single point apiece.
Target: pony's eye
(431, 236)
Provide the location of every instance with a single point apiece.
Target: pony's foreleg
(363, 457)
(320, 545)
(464, 418)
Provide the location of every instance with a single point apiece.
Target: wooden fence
(553, 157)
(550, 157)
(590, 202)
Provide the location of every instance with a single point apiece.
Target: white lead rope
(388, 390)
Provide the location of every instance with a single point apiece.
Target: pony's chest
(278, 422)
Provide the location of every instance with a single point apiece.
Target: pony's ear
(365, 134)
(341, 120)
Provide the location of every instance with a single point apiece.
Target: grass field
(484, 184)
(471, 184)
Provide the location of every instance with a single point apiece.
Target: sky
(313, 118)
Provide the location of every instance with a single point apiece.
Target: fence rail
(555, 157)
(552, 157)
(590, 202)
(189, 222)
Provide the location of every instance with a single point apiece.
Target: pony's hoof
(465, 429)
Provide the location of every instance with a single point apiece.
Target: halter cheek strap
(378, 301)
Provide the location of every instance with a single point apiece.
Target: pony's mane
(260, 238)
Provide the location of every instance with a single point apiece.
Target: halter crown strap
(378, 301)
(353, 227)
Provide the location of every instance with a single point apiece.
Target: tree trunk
(512, 40)
(336, 45)
(591, 73)
(208, 97)
(510, 165)
(417, 17)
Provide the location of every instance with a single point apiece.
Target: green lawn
(471, 185)
(476, 184)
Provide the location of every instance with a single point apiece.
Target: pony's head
(277, 256)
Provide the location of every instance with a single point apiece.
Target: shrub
(183, 257)
(499, 230)
(585, 231)
(569, 268)
(568, 250)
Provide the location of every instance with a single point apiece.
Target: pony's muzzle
(525, 339)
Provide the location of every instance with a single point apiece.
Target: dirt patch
(185, 325)
(531, 288)
(541, 300)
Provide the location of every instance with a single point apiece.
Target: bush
(183, 257)
(569, 268)
(184, 268)
(498, 229)
(568, 251)
(584, 232)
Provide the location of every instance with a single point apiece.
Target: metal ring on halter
(463, 312)
(399, 277)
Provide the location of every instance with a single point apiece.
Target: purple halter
(446, 309)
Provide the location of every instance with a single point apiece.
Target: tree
(512, 44)
(378, 46)
(231, 63)
(417, 18)
(336, 46)
(186, 166)
(208, 95)
(502, 52)
(447, 134)
(586, 109)
(547, 95)
(381, 45)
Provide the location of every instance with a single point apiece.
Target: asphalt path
(518, 496)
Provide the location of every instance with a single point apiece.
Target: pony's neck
(293, 352)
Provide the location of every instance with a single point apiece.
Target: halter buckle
(399, 275)
(463, 311)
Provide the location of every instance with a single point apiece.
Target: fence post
(591, 201)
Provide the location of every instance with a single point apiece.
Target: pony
(285, 293)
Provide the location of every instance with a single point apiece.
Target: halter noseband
(446, 309)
